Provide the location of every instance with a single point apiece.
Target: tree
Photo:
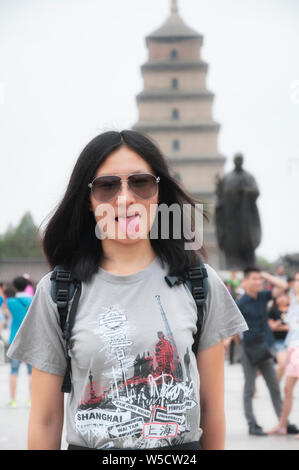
(265, 264)
(22, 241)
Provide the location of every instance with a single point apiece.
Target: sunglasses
(105, 188)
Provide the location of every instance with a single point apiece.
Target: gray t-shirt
(135, 381)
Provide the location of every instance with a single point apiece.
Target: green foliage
(265, 264)
(22, 241)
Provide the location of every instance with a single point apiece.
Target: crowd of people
(15, 299)
(270, 306)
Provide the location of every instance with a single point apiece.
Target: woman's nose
(125, 191)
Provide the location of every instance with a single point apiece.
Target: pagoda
(175, 110)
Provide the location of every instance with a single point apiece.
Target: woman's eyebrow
(133, 172)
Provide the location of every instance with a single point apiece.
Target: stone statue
(238, 226)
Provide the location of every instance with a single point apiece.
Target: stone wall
(9, 269)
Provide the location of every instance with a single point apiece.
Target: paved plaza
(13, 422)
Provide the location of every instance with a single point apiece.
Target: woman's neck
(126, 259)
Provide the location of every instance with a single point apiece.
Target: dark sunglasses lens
(105, 188)
(144, 186)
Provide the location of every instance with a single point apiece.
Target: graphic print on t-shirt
(147, 400)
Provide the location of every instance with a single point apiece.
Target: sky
(70, 69)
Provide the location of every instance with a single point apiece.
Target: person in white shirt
(292, 367)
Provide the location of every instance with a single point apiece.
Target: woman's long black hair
(69, 239)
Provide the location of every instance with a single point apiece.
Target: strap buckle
(198, 294)
(197, 273)
(63, 276)
(62, 297)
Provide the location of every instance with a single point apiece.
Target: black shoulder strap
(197, 282)
(63, 288)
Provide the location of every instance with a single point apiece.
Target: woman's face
(283, 300)
(126, 217)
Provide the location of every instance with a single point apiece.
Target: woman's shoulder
(213, 275)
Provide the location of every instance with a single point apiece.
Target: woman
(135, 380)
(18, 302)
(277, 314)
(292, 366)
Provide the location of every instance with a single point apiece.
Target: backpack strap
(63, 288)
(197, 283)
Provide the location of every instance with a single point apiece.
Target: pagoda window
(174, 54)
(175, 83)
(175, 114)
(176, 145)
